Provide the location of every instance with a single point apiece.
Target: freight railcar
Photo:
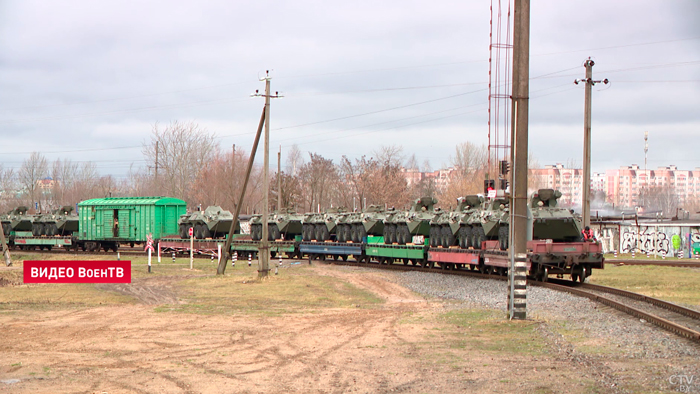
(107, 222)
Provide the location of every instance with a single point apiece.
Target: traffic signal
(489, 184)
(504, 184)
(505, 167)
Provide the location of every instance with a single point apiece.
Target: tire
(392, 233)
(274, 232)
(448, 237)
(353, 232)
(478, 236)
(206, 233)
(305, 232)
(433, 236)
(325, 234)
(503, 237)
(361, 233)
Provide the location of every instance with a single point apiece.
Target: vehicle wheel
(325, 234)
(275, 232)
(433, 237)
(387, 234)
(544, 274)
(353, 232)
(206, 233)
(503, 237)
(361, 233)
(449, 237)
(480, 236)
(574, 277)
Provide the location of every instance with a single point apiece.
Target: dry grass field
(310, 329)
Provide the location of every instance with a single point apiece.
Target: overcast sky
(88, 80)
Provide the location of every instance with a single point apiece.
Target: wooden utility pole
(519, 146)
(227, 247)
(279, 180)
(5, 250)
(586, 199)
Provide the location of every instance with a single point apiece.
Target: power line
(380, 111)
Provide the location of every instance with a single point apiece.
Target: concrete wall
(646, 237)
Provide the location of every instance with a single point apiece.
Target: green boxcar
(129, 219)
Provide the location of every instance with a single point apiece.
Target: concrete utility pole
(264, 250)
(279, 180)
(586, 199)
(156, 162)
(517, 291)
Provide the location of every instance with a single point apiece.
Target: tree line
(188, 163)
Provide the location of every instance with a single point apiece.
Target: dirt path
(397, 347)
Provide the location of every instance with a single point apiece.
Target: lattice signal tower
(500, 74)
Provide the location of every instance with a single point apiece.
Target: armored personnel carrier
(284, 225)
(321, 226)
(491, 222)
(213, 222)
(354, 226)
(61, 221)
(452, 228)
(551, 221)
(19, 219)
(401, 226)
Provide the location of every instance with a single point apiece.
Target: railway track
(670, 262)
(669, 316)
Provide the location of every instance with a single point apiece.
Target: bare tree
(319, 179)
(391, 155)
(65, 174)
(8, 188)
(183, 150)
(33, 169)
(374, 181)
(294, 160)
(469, 157)
(659, 198)
(412, 163)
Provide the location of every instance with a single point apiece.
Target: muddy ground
(400, 345)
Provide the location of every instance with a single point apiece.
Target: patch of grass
(488, 330)
(292, 291)
(674, 284)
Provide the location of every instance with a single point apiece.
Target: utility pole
(227, 247)
(279, 180)
(264, 250)
(157, 164)
(5, 250)
(517, 289)
(586, 200)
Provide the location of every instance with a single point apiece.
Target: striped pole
(517, 289)
(663, 254)
(615, 253)
(250, 258)
(632, 253)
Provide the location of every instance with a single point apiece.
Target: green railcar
(128, 219)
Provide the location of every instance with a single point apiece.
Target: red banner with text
(77, 271)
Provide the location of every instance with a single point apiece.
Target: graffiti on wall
(645, 239)
(607, 236)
